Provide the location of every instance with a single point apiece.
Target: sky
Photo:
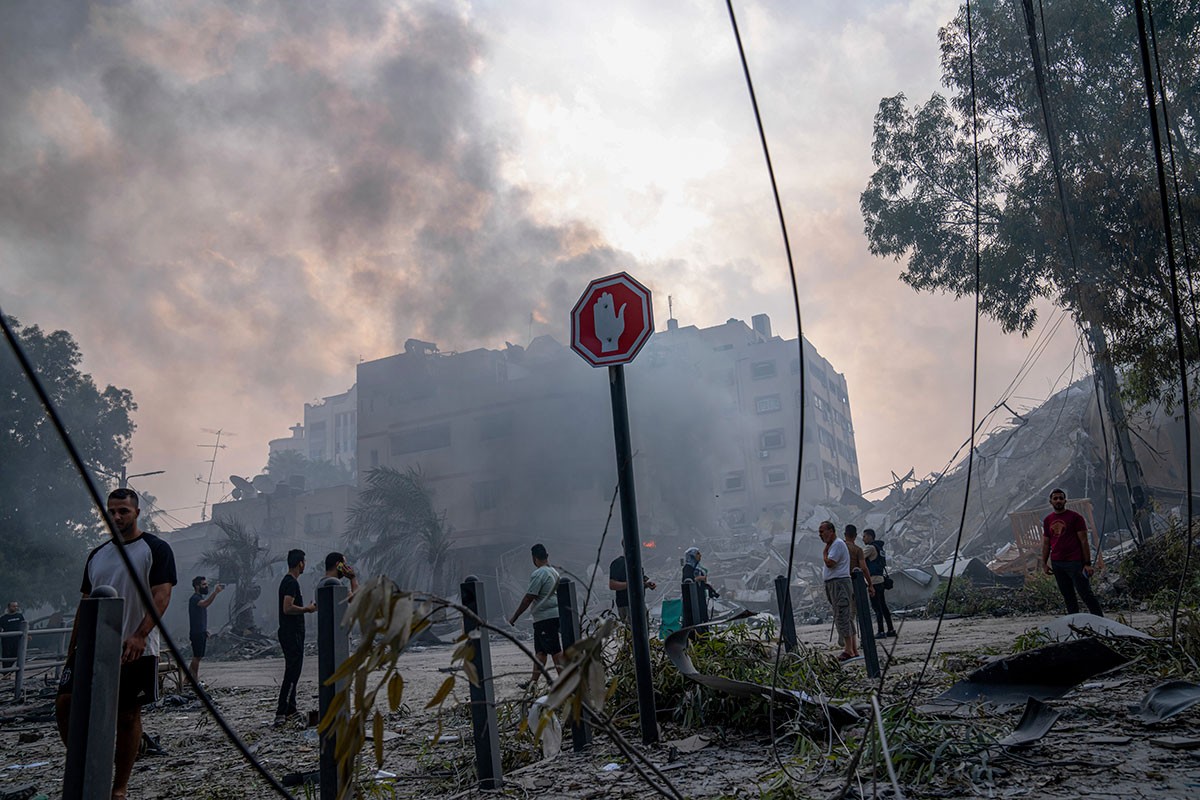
(230, 204)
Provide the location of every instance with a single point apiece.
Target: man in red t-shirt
(1066, 554)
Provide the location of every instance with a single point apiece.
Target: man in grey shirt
(542, 594)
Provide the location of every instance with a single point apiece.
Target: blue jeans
(1071, 578)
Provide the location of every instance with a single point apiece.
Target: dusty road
(1094, 750)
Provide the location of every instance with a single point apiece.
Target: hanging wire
(1176, 316)
(143, 591)
(974, 364)
(762, 136)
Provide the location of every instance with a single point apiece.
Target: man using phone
(198, 605)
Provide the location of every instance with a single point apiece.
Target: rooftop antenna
(212, 465)
(670, 307)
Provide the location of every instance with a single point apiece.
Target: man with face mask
(198, 605)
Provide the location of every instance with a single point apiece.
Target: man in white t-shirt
(154, 568)
(542, 594)
(836, 573)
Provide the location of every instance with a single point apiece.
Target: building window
(774, 476)
(810, 472)
(488, 494)
(828, 440)
(722, 347)
(495, 426)
(735, 481)
(818, 403)
(319, 523)
(831, 472)
(761, 370)
(767, 403)
(770, 440)
(416, 440)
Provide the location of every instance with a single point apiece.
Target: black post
(691, 608)
(568, 624)
(483, 697)
(866, 630)
(333, 648)
(633, 555)
(92, 730)
(787, 623)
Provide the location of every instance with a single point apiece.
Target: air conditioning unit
(764, 453)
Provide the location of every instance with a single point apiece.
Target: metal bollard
(862, 605)
(19, 676)
(92, 730)
(568, 626)
(787, 623)
(483, 697)
(691, 614)
(333, 647)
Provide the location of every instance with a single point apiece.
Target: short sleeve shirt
(290, 623)
(617, 572)
(153, 565)
(1063, 532)
(543, 584)
(841, 556)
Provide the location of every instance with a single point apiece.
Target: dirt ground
(1096, 749)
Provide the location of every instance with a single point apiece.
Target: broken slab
(1166, 700)
(1073, 626)
(1044, 674)
(1035, 723)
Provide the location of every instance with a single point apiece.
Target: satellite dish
(242, 488)
(262, 484)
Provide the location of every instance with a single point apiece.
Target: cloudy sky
(230, 204)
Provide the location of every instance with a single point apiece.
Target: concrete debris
(1166, 700)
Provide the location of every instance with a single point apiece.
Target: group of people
(840, 557)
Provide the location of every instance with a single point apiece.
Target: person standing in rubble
(1066, 554)
(836, 572)
(877, 566)
(198, 605)
(542, 594)
(693, 571)
(618, 581)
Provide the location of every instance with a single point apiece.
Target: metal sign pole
(92, 730)
(633, 555)
(333, 648)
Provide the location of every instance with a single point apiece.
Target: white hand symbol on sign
(609, 325)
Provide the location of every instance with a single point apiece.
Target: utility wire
(143, 592)
(1176, 316)
(762, 137)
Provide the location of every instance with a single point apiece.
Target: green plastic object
(672, 617)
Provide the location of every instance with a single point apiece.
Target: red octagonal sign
(612, 320)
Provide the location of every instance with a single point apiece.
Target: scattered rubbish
(26, 792)
(30, 736)
(34, 765)
(1166, 700)
(149, 746)
(544, 723)
(445, 738)
(676, 648)
(387, 736)
(1177, 742)
(1110, 740)
(1035, 723)
(1074, 626)
(1044, 674)
(302, 778)
(383, 775)
(612, 766)
(691, 744)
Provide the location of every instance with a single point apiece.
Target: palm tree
(239, 559)
(395, 530)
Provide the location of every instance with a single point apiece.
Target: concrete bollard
(787, 622)
(866, 631)
(333, 648)
(483, 697)
(568, 626)
(92, 731)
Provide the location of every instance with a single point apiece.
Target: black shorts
(545, 637)
(199, 645)
(138, 684)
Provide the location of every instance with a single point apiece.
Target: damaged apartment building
(517, 445)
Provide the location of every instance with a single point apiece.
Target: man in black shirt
(618, 581)
(291, 634)
(10, 623)
(198, 605)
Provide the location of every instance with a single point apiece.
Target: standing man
(877, 564)
(1067, 554)
(154, 568)
(618, 581)
(10, 623)
(198, 605)
(836, 572)
(337, 568)
(858, 558)
(542, 594)
(291, 634)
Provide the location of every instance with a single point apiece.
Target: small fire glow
(649, 545)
